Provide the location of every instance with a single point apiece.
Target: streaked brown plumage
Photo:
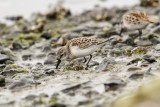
(80, 47)
(134, 20)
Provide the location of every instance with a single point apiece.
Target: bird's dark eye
(61, 55)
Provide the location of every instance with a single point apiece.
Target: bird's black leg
(88, 61)
(85, 60)
(140, 33)
(122, 29)
(120, 34)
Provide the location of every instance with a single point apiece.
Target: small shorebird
(79, 47)
(134, 20)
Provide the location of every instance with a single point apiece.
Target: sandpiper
(134, 20)
(79, 47)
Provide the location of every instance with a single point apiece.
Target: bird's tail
(150, 21)
(104, 40)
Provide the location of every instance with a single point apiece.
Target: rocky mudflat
(28, 77)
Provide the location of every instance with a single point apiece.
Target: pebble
(27, 57)
(3, 58)
(116, 52)
(157, 47)
(155, 40)
(16, 46)
(114, 83)
(2, 66)
(10, 70)
(9, 53)
(85, 102)
(30, 97)
(133, 69)
(128, 40)
(2, 81)
(79, 29)
(16, 84)
(156, 30)
(50, 72)
(144, 43)
(71, 88)
(46, 48)
(57, 105)
(43, 95)
(136, 75)
(45, 35)
(49, 59)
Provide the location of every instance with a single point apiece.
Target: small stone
(36, 28)
(16, 84)
(50, 72)
(3, 58)
(74, 87)
(30, 97)
(54, 95)
(128, 40)
(111, 32)
(87, 33)
(144, 43)
(157, 30)
(150, 60)
(120, 45)
(105, 49)
(9, 62)
(2, 81)
(26, 57)
(99, 17)
(155, 41)
(89, 94)
(57, 105)
(157, 47)
(85, 102)
(79, 29)
(14, 18)
(45, 35)
(14, 33)
(113, 83)
(46, 49)
(74, 66)
(116, 52)
(2, 66)
(43, 95)
(9, 53)
(38, 102)
(136, 75)
(16, 46)
(11, 69)
(49, 60)
(134, 61)
(102, 66)
(71, 88)
(133, 69)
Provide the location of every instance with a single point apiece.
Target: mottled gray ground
(28, 77)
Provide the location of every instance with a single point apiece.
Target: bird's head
(61, 54)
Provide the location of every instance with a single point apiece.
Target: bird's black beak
(59, 61)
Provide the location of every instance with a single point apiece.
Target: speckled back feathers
(83, 42)
(135, 17)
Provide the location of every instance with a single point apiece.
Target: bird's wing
(83, 43)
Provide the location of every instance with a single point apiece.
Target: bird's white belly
(82, 52)
(134, 27)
